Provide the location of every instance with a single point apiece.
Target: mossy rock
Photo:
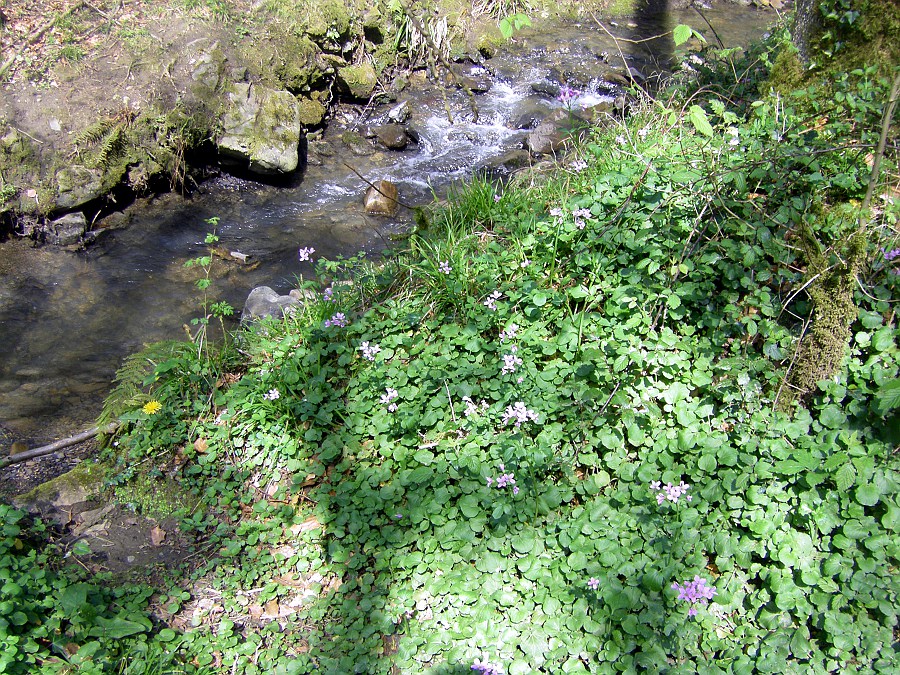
(328, 19)
(311, 112)
(81, 484)
(358, 81)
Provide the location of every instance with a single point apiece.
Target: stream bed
(68, 318)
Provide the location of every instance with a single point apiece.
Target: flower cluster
(388, 399)
(509, 332)
(503, 480)
(369, 350)
(339, 320)
(670, 492)
(511, 361)
(444, 267)
(891, 255)
(328, 294)
(567, 94)
(519, 413)
(473, 409)
(695, 592)
(486, 668)
(491, 302)
(580, 215)
(272, 395)
(304, 254)
(578, 165)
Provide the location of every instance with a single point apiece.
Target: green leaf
(682, 34)
(845, 477)
(868, 495)
(887, 397)
(698, 118)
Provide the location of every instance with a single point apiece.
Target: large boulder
(392, 136)
(261, 129)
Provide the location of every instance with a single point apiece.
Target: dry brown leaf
(201, 445)
(272, 608)
(157, 535)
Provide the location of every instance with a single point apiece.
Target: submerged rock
(382, 199)
(261, 129)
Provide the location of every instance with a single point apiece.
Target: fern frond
(95, 133)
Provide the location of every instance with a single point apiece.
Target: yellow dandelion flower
(152, 407)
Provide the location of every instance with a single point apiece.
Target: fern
(95, 132)
(133, 379)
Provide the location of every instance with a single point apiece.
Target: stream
(67, 319)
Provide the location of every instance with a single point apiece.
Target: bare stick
(58, 445)
(879, 153)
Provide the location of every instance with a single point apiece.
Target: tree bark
(807, 26)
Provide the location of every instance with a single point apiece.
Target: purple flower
(472, 409)
(593, 583)
(509, 332)
(519, 413)
(388, 398)
(486, 668)
(339, 320)
(444, 267)
(890, 255)
(567, 94)
(303, 255)
(272, 395)
(696, 592)
(497, 198)
(491, 302)
(369, 351)
(670, 492)
(511, 361)
(579, 165)
(328, 294)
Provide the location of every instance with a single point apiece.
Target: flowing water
(68, 318)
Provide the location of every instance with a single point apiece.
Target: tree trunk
(807, 26)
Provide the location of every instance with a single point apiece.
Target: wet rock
(506, 164)
(261, 129)
(358, 145)
(381, 199)
(546, 87)
(392, 136)
(473, 78)
(554, 132)
(399, 113)
(67, 230)
(265, 302)
(358, 81)
(57, 499)
(77, 185)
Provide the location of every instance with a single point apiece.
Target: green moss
(359, 81)
(787, 73)
(156, 498)
(311, 112)
(822, 351)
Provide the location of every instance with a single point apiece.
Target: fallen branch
(58, 445)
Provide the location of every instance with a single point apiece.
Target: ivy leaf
(698, 118)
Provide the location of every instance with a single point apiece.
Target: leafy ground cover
(557, 431)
